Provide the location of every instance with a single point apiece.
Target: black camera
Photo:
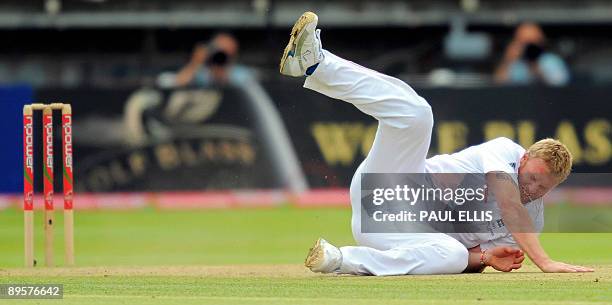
(532, 52)
(217, 57)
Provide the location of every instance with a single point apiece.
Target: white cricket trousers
(405, 123)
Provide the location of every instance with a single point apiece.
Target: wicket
(48, 177)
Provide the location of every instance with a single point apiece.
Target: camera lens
(218, 58)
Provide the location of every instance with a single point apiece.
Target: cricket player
(402, 140)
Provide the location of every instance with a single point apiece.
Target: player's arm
(474, 264)
(517, 220)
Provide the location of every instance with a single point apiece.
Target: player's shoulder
(502, 140)
(505, 143)
(501, 154)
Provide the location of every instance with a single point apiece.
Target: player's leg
(405, 118)
(440, 254)
(398, 253)
(432, 257)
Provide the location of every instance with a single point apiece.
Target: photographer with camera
(213, 63)
(527, 61)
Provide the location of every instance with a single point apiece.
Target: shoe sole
(299, 25)
(315, 255)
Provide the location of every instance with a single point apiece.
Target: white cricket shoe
(323, 257)
(304, 49)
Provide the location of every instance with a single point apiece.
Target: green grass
(488, 288)
(148, 237)
(253, 256)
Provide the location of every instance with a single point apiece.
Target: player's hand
(559, 267)
(504, 259)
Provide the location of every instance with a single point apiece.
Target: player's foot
(304, 49)
(323, 257)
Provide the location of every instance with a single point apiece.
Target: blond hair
(555, 154)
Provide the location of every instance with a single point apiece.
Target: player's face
(534, 179)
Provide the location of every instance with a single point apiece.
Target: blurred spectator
(213, 63)
(527, 61)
